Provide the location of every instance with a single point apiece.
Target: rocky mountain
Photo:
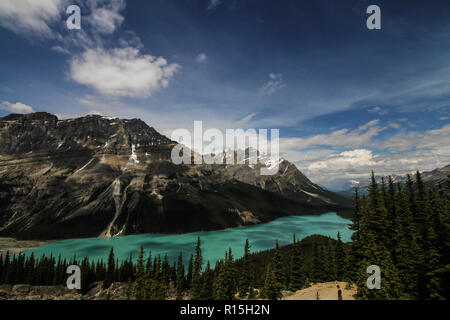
(101, 177)
(431, 179)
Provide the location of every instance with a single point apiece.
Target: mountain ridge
(97, 176)
(431, 179)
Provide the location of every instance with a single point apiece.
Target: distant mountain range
(101, 177)
(432, 179)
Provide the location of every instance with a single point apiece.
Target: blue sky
(346, 99)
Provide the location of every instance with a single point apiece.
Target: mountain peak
(36, 116)
(103, 176)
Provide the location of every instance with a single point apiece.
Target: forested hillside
(405, 231)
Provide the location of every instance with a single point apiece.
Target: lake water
(214, 243)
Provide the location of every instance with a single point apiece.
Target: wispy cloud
(339, 138)
(247, 118)
(27, 17)
(342, 167)
(106, 16)
(201, 58)
(60, 49)
(431, 139)
(394, 125)
(17, 107)
(274, 84)
(322, 159)
(378, 110)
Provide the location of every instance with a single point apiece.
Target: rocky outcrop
(117, 291)
(102, 177)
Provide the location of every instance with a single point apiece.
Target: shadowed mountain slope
(101, 177)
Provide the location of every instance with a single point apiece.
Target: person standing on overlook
(339, 293)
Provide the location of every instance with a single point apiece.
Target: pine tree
(139, 290)
(155, 289)
(271, 289)
(278, 266)
(433, 256)
(148, 265)
(225, 286)
(407, 250)
(157, 268)
(245, 280)
(110, 274)
(355, 250)
(377, 212)
(373, 249)
(86, 279)
(181, 280)
(207, 283)
(330, 262)
(196, 287)
(298, 275)
(189, 273)
(411, 195)
(165, 270)
(30, 270)
(391, 217)
(340, 258)
(319, 273)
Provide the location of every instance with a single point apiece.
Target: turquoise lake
(213, 243)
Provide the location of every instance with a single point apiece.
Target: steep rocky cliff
(97, 176)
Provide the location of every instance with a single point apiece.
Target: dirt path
(16, 246)
(327, 291)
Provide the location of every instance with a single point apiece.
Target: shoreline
(18, 246)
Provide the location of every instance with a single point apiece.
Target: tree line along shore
(403, 229)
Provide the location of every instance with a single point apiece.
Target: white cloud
(358, 163)
(105, 16)
(31, 16)
(130, 39)
(345, 161)
(318, 158)
(335, 158)
(122, 72)
(394, 125)
(60, 49)
(274, 84)
(431, 139)
(339, 138)
(17, 107)
(418, 151)
(378, 110)
(201, 58)
(443, 118)
(247, 118)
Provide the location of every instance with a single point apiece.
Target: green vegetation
(269, 272)
(405, 231)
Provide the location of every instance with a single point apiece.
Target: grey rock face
(102, 177)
